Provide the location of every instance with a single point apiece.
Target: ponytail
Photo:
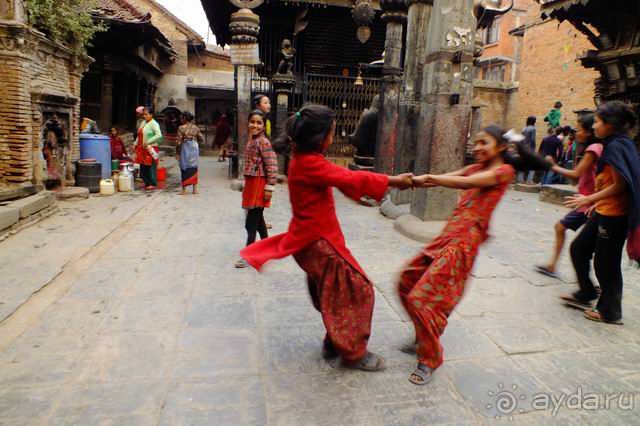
(524, 159)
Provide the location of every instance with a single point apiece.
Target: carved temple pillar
(245, 27)
(409, 107)
(445, 111)
(283, 86)
(394, 14)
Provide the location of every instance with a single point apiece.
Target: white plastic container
(107, 187)
(125, 182)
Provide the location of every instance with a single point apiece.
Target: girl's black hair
(531, 120)
(187, 116)
(620, 115)
(256, 112)
(149, 110)
(587, 122)
(525, 159)
(305, 130)
(257, 99)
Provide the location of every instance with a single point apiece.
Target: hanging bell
(363, 34)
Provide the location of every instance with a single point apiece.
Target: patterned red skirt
(253, 193)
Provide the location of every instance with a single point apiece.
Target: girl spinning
(339, 288)
(432, 284)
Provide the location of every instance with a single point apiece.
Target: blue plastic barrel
(99, 148)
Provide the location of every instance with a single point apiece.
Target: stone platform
(556, 194)
(14, 215)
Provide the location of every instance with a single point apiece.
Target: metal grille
(346, 99)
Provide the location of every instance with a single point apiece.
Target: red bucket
(162, 174)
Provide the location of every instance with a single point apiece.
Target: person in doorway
(149, 136)
(339, 288)
(529, 133)
(222, 139)
(615, 217)
(118, 149)
(551, 146)
(260, 172)
(262, 103)
(432, 284)
(585, 173)
(188, 152)
(554, 116)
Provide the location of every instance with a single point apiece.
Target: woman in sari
(149, 135)
(188, 152)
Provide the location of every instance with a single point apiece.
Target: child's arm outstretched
(456, 180)
(583, 166)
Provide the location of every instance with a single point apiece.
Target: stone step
(9, 216)
(555, 194)
(33, 204)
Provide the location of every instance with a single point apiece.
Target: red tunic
(311, 178)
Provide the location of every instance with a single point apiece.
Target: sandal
(545, 271)
(269, 226)
(422, 375)
(240, 264)
(370, 362)
(329, 351)
(594, 315)
(571, 300)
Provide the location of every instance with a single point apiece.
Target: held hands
(423, 181)
(403, 181)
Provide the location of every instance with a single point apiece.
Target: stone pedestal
(409, 107)
(394, 14)
(445, 111)
(283, 85)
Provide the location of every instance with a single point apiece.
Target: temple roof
(552, 7)
(119, 10)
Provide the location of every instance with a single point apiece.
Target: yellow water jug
(107, 187)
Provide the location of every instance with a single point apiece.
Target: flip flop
(545, 271)
(571, 300)
(594, 315)
(240, 264)
(370, 362)
(422, 375)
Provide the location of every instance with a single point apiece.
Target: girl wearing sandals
(585, 173)
(432, 284)
(339, 288)
(614, 217)
(260, 173)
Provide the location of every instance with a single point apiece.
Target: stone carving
(459, 37)
(364, 137)
(287, 53)
(6, 9)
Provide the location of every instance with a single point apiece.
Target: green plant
(68, 22)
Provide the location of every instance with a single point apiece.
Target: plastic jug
(107, 187)
(125, 182)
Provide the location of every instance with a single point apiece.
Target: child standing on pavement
(339, 288)
(260, 174)
(585, 172)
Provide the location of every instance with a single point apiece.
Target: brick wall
(494, 100)
(550, 72)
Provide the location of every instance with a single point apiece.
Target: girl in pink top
(585, 173)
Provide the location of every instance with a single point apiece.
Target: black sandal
(571, 300)
(422, 375)
(370, 362)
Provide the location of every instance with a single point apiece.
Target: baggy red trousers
(343, 296)
(429, 290)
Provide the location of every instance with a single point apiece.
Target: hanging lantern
(363, 15)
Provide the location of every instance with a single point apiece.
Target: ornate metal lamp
(363, 15)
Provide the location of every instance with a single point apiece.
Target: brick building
(39, 103)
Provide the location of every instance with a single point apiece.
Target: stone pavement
(148, 322)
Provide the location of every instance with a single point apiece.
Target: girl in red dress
(433, 283)
(260, 171)
(339, 288)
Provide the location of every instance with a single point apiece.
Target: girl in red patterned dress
(339, 288)
(433, 283)
(260, 172)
